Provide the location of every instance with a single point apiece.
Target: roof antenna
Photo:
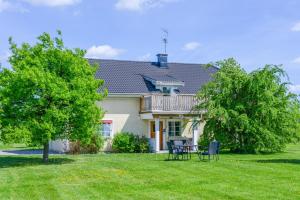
(165, 38)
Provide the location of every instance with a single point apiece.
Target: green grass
(149, 176)
(11, 146)
(17, 146)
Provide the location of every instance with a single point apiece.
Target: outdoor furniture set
(180, 149)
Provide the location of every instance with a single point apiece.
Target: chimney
(162, 60)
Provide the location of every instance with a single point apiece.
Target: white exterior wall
(60, 146)
(124, 113)
(125, 116)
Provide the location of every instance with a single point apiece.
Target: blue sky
(255, 32)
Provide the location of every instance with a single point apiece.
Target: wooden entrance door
(152, 133)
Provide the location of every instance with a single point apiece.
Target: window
(166, 90)
(174, 128)
(105, 128)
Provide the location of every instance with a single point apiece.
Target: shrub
(142, 146)
(129, 143)
(204, 141)
(124, 143)
(94, 146)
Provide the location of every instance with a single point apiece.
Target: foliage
(123, 142)
(249, 112)
(94, 146)
(129, 143)
(50, 93)
(142, 144)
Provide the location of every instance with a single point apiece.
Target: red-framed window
(105, 128)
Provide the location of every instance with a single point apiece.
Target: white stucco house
(151, 99)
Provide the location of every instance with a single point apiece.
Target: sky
(254, 32)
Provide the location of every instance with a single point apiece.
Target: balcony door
(152, 133)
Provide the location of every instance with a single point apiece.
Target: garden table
(187, 149)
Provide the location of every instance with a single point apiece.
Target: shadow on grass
(27, 151)
(17, 161)
(288, 161)
(173, 160)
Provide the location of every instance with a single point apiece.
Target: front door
(152, 133)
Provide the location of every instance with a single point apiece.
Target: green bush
(123, 143)
(94, 146)
(129, 143)
(203, 141)
(142, 145)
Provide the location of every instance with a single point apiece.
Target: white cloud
(146, 57)
(139, 5)
(296, 60)
(295, 88)
(191, 46)
(103, 51)
(6, 5)
(296, 27)
(52, 3)
(134, 5)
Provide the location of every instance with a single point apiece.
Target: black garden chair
(213, 150)
(174, 151)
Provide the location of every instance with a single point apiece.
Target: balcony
(177, 104)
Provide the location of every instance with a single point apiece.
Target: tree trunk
(46, 152)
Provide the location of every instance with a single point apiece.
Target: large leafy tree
(249, 112)
(50, 93)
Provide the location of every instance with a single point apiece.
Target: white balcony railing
(173, 103)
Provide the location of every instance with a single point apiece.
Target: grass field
(15, 147)
(149, 176)
(11, 146)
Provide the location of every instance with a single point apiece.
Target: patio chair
(178, 142)
(179, 146)
(213, 150)
(175, 152)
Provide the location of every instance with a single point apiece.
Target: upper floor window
(174, 128)
(166, 90)
(105, 128)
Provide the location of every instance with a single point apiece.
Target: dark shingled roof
(129, 76)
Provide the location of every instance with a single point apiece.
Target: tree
(50, 93)
(249, 112)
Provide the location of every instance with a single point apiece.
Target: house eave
(126, 94)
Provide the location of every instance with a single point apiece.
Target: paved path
(23, 152)
(3, 153)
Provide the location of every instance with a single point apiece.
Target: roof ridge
(117, 60)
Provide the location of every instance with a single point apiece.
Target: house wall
(59, 146)
(125, 115)
(188, 130)
(124, 112)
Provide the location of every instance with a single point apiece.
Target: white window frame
(168, 128)
(111, 128)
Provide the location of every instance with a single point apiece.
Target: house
(151, 99)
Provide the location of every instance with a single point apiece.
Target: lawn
(149, 176)
(16, 147)
(11, 146)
